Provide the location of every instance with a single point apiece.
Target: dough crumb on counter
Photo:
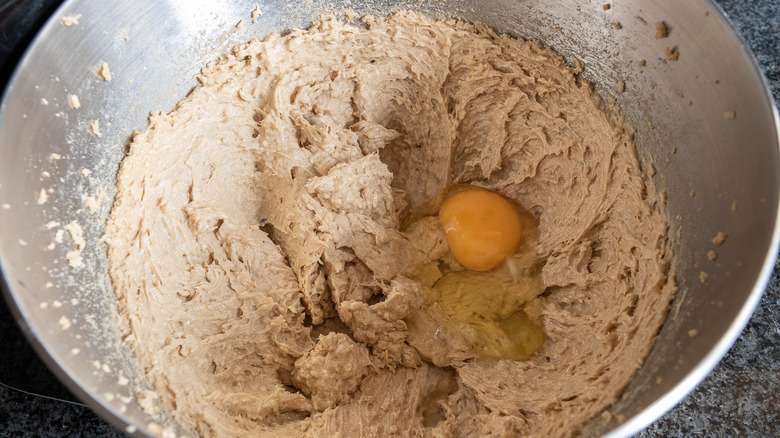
(734, 206)
(730, 115)
(712, 255)
(55, 156)
(703, 276)
(672, 54)
(70, 20)
(692, 333)
(94, 128)
(621, 86)
(74, 101)
(256, 12)
(719, 238)
(661, 30)
(104, 72)
(44, 101)
(642, 62)
(606, 6)
(240, 24)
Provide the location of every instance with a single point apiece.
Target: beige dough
(265, 234)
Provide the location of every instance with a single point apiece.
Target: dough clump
(266, 235)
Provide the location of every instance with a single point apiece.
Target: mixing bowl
(706, 131)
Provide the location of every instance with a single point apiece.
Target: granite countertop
(741, 397)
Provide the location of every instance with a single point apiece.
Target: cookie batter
(269, 237)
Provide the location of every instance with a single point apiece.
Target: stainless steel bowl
(720, 173)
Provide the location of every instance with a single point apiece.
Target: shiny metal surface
(703, 160)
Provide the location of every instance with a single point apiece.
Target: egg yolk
(482, 228)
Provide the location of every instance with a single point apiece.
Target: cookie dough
(266, 237)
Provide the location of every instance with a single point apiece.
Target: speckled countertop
(741, 397)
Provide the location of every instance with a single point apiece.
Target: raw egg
(482, 228)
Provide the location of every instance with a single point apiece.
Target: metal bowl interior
(720, 174)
